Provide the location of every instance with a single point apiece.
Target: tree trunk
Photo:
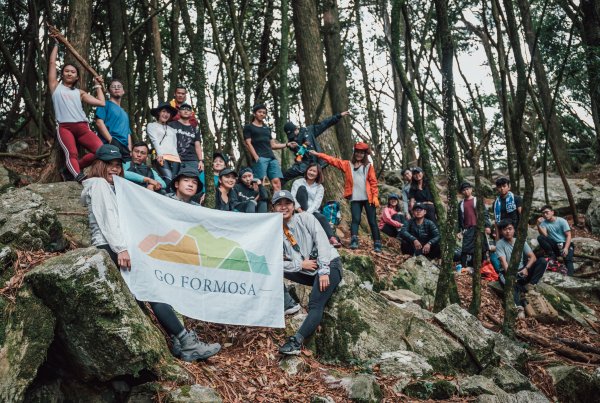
(283, 95)
(263, 59)
(336, 71)
(79, 34)
(117, 42)
(591, 39)
(175, 44)
(157, 47)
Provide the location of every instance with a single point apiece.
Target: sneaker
(377, 246)
(552, 265)
(193, 349)
(354, 242)
(520, 312)
(334, 242)
(176, 348)
(291, 347)
(292, 310)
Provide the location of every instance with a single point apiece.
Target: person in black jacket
(227, 199)
(420, 236)
(306, 140)
(420, 193)
(250, 189)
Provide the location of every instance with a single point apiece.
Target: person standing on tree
(555, 239)
(306, 140)
(73, 127)
(164, 142)
(260, 144)
(113, 122)
(507, 205)
(180, 98)
(361, 188)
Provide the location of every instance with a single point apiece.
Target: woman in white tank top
(73, 128)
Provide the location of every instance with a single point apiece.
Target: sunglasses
(185, 109)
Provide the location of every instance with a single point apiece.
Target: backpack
(332, 211)
(488, 272)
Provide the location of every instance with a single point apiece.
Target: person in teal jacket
(138, 172)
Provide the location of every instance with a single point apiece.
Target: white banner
(210, 265)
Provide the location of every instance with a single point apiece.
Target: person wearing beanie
(306, 140)
(361, 188)
(250, 189)
(260, 144)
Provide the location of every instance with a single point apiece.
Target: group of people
(310, 257)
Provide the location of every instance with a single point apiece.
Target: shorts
(267, 167)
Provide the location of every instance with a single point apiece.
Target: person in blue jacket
(137, 171)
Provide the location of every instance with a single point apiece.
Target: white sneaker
(520, 312)
(292, 310)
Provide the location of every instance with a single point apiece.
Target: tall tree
(591, 39)
(283, 94)
(79, 33)
(157, 52)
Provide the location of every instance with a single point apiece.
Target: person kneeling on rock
(99, 196)
(420, 236)
(309, 259)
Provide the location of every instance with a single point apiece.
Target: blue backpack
(332, 211)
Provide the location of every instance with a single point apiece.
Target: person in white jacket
(164, 142)
(99, 196)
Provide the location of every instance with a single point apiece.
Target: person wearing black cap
(305, 139)
(260, 144)
(189, 146)
(507, 205)
(308, 259)
(164, 142)
(467, 224)
(226, 197)
(420, 193)
(420, 236)
(186, 185)
(99, 196)
(250, 189)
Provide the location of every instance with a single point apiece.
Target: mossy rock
(364, 268)
(437, 390)
(102, 332)
(29, 331)
(419, 275)
(567, 305)
(573, 384)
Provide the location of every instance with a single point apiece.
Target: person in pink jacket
(391, 219)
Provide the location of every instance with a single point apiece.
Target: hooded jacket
(309, 135)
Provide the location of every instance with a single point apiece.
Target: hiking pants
(390, 230)
(534, 275)
(408, 248)
(70, 135)
(168, 170)
(552, 249)
(262, 206)
(163, 312)
(296, 170)
(356, 211)
(302, 199)
(317, 299)
(246, 207)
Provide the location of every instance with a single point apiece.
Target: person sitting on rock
(186, 185)
(310, 260)
(99, 196)
(250, 189)
(507, 205)
(467, 225)
(220, 161)
(555, 239)
(226, 197)
(361, 188)
(531, 269)
(419, 193)
(309, 192)
(305, 139)
(391, 219)
(420, 236)
(138, 172)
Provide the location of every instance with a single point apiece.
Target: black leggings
(163, 312)
(356, 211)
(168, 170)
(317, 299)
(302, 199)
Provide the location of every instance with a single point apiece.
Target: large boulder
(393, 178)
(419, 275)
(576, 287)
(583, 193)
(27, 222)
(567, 305)
(101, 331)
(385, 190)
(354, 329)
(573, 384)
(8, 179)
(592, 216)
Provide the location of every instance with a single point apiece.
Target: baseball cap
(108, 152)
(283, 194)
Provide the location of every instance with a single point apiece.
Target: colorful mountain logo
(198, 247)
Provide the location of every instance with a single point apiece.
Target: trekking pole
(59, 37)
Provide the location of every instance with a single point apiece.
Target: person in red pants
(73, 126)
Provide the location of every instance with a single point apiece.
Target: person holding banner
(309, 259)
(227, 199)
(99, 196)
(185, 185)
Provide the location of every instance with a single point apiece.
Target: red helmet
(360, 146)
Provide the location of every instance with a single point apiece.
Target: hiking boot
(377, 246)
(193, 349)
(354, 242)
(176, 348)
(520, 312)
(291, 347)
(334, 242)
(80, 177)
(292, 309)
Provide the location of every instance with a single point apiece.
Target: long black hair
(62, 70)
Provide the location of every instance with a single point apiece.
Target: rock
(414, 309)
(363, 266)
(583, 193)
(8, 179)
(402, 296)
(393, 178)
(524, 396)
(485, 347)
(586, 246)
(385, 190)
(293, 365)
(592, 216)
(478, 385)
(576, 287)
(567, 305)
(321, 399)
(63, 198)
(353, 328)
(17, 146)
(7, 259)
(437, 390)
(193, 394)
(145, 393)
(46, 393)
(420, 276)
(27, 335)
(363, 389)
(508, 378)
(404, 364)
(488, 188)
(573, 384)
(27, 222)
(98, 319)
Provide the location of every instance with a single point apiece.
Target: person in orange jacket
(360, 187)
